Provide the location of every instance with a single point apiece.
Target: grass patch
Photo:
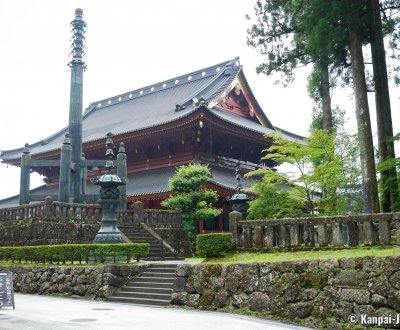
(260, 257)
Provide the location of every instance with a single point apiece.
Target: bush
(74, 252)
(213, 245)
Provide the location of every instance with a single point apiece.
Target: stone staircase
(157, 250)
(153, 288)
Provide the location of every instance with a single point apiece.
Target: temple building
(209, 116)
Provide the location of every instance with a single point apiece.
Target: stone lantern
(109, 200)
(239, 199)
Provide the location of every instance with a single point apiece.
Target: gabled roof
(156, 105)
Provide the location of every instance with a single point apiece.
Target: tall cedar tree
(327, 33)
(354, 9)
(389, 185)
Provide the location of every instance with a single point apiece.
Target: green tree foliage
(194, 201)
(322, 172)
(273, 201)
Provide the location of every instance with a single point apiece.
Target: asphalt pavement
(48, 313)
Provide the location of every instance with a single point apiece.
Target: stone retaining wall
(89, 282)
(47, 232)
(316, 293)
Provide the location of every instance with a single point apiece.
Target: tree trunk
(389, 194)
(370, 189)
(327, 122)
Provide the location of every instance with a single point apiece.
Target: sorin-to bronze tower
(77, 65)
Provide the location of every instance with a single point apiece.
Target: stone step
(150, 284)
(143, 295)
(157, 248)
(139, 301)
(159, 258)
(163, 265)
(143, 240)
(160, 255)
(145, 279)
(147, 289)
(164, 270)
(159, 275)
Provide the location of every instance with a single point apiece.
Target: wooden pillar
(24, 184)
(201, 226)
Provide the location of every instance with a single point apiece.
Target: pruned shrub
(74, 252)
(213, 245)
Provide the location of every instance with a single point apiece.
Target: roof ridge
(213, 70)
(210, 84)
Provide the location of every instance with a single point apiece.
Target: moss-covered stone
(249, 283)
(379, 285)
(207, 298)
(343, 310)
(193, 300)
(292, 293)
(328, 264)
(371, 264)
(322, 307)
(259, 301)
(358, 296)
(394, 279)
(350, 279)
(394, 299)
(301, 309)
(222, 298)
(240, 300)
(231, 283)
(213, 270)
(316, 280)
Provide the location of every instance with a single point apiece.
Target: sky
(130, 44)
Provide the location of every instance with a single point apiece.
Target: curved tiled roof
(145, 107)
(155, 105)
(144, 183)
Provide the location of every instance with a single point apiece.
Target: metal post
(77, 65)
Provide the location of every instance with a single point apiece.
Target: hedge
(213, 245)
(74, 252)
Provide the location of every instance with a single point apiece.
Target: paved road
(42, 312)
